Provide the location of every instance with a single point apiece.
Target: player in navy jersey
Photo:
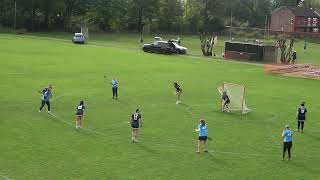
(135, 123)
(45, 99)
(178, 92)
(226, 101)
(301, 116)
(79, 114)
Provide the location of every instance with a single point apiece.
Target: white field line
(188, 109)
(73, 125)
(5, 177)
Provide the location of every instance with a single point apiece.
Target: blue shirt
(203, 130)
(287, 135)
(114, 83)
(46, 96)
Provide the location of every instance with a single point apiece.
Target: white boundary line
(70, 124)
(188, 109)
(5, 177)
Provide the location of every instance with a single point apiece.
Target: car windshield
(78, 35)
(175, 44)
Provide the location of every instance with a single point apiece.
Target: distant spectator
(305, 47)
(141, 41)
(294, 57)
(179, 41)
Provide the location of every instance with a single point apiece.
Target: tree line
(174, 16)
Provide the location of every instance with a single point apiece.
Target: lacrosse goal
(235, 93)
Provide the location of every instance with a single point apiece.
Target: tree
(142, 11)
(170, 15)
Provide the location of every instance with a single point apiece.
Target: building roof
(300, 11)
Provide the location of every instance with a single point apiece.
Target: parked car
(78, 38)
(164, 47)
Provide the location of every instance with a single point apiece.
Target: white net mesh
(235, 93)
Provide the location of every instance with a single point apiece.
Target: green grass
(192, 42)
(35, 145)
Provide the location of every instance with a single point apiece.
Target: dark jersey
(302, 113)
(44, 90)
(178, 88)
(225, 98)
(135, 120)
(80, 109)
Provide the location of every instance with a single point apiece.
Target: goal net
(85, 32)
(235, 93)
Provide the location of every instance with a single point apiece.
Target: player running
(79, 114)
(178, 91)
(287, 142)
(301, 116)
(226, 101)
(135, 123)
(46, 95)
(203, 135)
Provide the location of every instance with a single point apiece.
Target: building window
(315, 22)
(309, 21)
(315, 30)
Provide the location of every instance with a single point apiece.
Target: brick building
(296, 20)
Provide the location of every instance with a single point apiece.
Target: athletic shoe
(206, 151)
(39, 110)
(48, 112)
(197, 151)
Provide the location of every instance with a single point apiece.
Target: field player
(301, 116)
(79, 114)
(135, 123)
(178, 92)
(45, 99)
(114, 84)
(203, 135)
(226, 101)
(287, 142)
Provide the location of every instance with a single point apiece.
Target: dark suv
(164, 47)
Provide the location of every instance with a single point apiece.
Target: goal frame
(242, 97)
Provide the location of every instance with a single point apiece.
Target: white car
(78, 38)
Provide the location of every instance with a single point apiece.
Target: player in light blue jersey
(114, 84)
(46, 96)
(287, 142)
(203, 135)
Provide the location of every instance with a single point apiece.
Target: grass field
(192, 42)
(36, 145)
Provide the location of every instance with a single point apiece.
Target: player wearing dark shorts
(301, 117)
(45, 99)
(226, 101)
(203, 135)
(79, 114)
(287, 142)
(178, 92)
(135, 123)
